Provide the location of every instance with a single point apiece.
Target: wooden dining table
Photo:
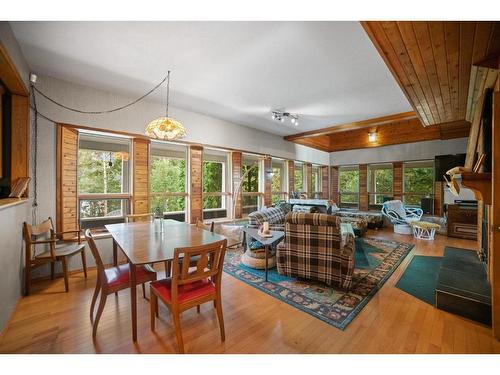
(142, 243)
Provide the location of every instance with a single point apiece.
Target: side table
(277, 236)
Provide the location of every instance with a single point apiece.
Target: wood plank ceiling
(436, 65)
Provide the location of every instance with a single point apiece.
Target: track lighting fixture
(280, 116)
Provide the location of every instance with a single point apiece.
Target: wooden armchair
(56, 247)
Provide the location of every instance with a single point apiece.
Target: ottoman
(424, 230)
(257, 259)
(359, 225)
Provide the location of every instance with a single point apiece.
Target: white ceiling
(327, 72)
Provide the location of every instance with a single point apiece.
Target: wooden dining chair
(188, 288)
(112, 280)
(139, 217)
(53, 246)
(201, 225)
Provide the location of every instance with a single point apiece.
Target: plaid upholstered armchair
(314, 249)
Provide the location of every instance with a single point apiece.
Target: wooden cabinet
(462, 221)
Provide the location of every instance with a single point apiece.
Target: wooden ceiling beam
(364, 124)
(389, 133)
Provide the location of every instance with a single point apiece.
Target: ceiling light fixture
(280, 116)
(166, 128)
(372, 136)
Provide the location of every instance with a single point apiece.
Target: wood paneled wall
(236, 160)
(66, 179)
(307, 174)
(140, 200)
(334, 184)
(20, 137)
(195, 206)
(363, 187)
(325, 188)
(397, 182)
(290, 166)
(268, 179)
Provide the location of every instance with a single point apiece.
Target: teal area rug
(376, 260)
(420, 278)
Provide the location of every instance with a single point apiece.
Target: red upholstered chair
(191, 285)
(111, 280)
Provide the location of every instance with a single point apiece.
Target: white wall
(409, 151)
(11, 218)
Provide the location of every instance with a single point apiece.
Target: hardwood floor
(51, 321)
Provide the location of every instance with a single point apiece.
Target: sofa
(275, 216)
(314, 248)
(374, 219)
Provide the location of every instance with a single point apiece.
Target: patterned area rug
(375, 261)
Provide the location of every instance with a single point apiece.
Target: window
(298, 178)
(380, 179)
(103, 180)
(316, 182)
(278, 182)
(215, 181)
(168, 180)
(349, 186)
(418, 181)
(251, 195)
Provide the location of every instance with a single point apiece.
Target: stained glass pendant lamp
(166, 128)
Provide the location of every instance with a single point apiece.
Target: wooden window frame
(171, 194)
(344, 168)
(416, 194)
(127, 197)
(370, 169)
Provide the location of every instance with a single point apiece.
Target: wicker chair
(401, 216)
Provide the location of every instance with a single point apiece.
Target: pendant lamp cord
(105, 111)
(34, 129)
(168, 91)
(34, 137)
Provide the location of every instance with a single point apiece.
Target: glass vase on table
(158, 220)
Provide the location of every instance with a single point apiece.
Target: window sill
(9, 202)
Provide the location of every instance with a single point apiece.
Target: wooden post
(140, 200)
(334, 183)
(307, 178)
(236, 159)
(195, 183)
(325, 193)
(268, 177)
(66, 179)
(438, 198)
(495, 215)
(363, 187)
(290, 166)
(397, 182)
